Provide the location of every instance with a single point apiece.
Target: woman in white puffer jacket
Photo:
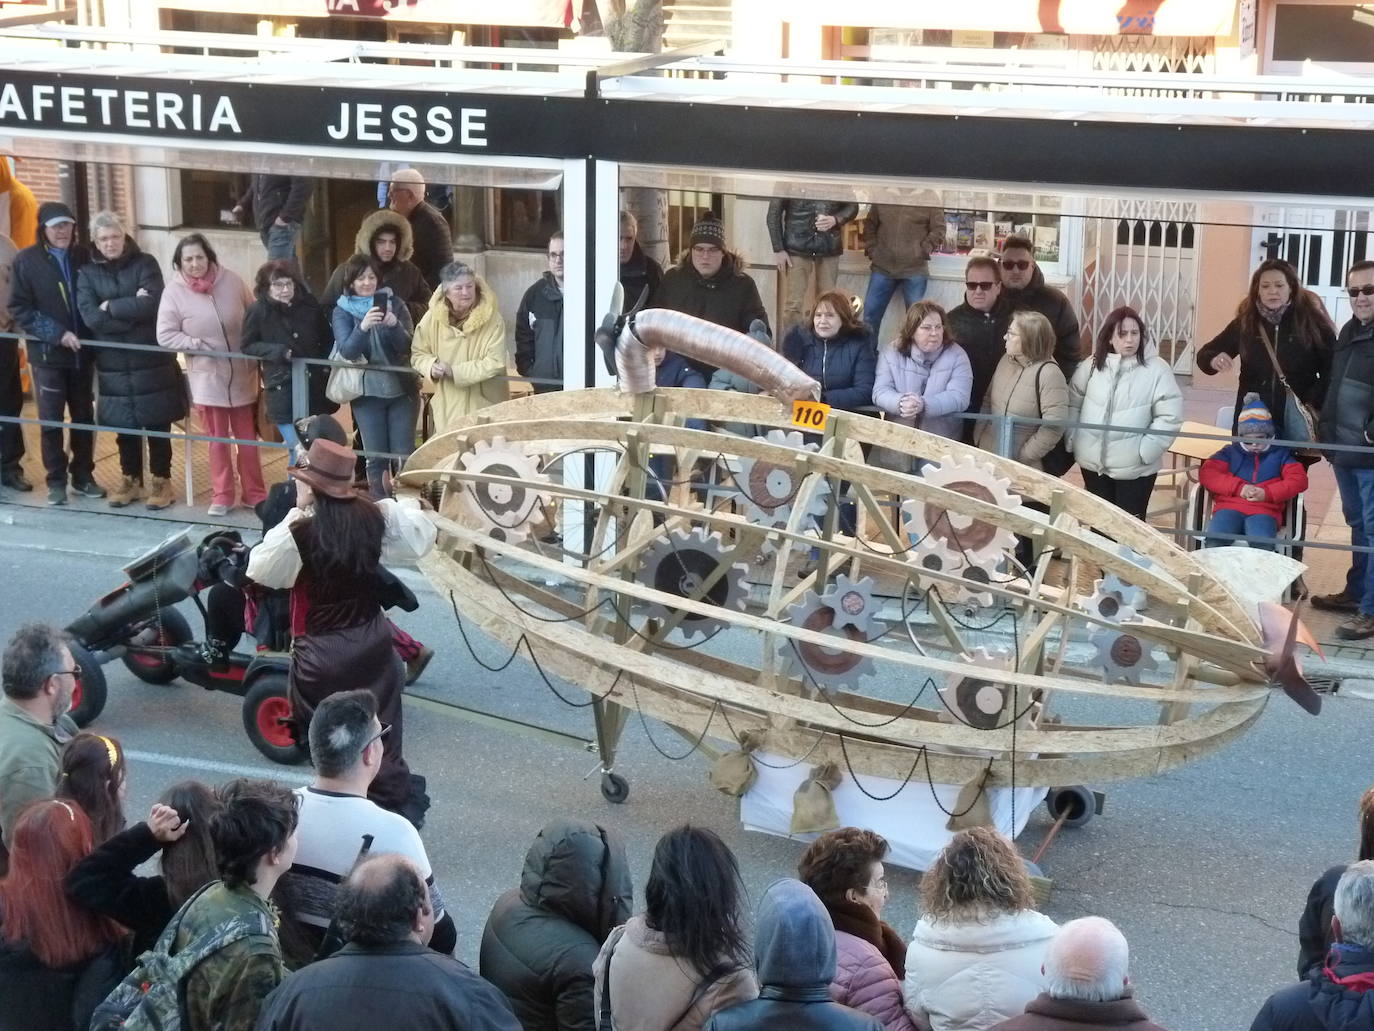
(1126, 387)
(975, 957)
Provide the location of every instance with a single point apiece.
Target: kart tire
(264, 707)
(172, 630)
(88, 697)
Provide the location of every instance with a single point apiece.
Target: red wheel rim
(270, 713)
(163, 640)
(76, 698)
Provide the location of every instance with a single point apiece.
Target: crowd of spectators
(425, 331)
(319, 909)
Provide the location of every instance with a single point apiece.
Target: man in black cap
(43, 303)
(710, 283)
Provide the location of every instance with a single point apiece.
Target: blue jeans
(1228, 520)
(1357, 506)
(290, 438)
(387, 424)
(280, 241)
(880, 290)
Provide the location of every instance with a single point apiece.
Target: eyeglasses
(1016, 266)
(386, 729)
(980, 286)
(1355, 291)
(75, 671)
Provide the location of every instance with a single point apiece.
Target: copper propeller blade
(1281, 632)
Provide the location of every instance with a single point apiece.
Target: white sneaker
(217, 509)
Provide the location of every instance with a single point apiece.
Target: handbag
(345, 379)
(1058, 460)
(1299, 421)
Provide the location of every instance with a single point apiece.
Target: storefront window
(1324, 33)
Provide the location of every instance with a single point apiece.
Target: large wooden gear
(615, 631)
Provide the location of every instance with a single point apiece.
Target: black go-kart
(138, 624)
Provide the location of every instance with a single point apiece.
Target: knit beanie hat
(1254, 419)
(708, 230)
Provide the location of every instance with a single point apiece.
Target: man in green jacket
(39, 677)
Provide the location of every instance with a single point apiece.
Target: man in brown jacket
(899, 240)
(1086, 984)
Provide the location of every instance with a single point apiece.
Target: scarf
(1358, 983)
(857, 919)
(355, 305)
(205, 283)
(1273, 316)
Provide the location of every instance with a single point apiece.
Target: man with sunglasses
(335, 813)
(1025, 289)
(39, 677)
(979, 326)
(1347, 418)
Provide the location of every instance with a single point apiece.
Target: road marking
(286, 773)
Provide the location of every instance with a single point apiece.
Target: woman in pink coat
(845, 869)
(202, 309)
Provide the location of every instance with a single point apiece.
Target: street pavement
(1205, 868)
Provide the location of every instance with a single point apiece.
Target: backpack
(150, 998)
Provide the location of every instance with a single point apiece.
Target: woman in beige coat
(1027, 384)
(202, 309)
(460, 346)
(687, 956)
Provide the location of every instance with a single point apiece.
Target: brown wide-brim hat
(328, 468)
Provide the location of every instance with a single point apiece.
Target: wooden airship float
(774, 593)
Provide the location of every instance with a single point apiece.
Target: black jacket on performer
(400, 985)
(1322, 1002)
(539, 333)
(794, 954)
(729, 298)
(1055, 306)
(641, 272)
(792, 227)
(983, 336)
(271, 331)
(540, 939)
(1306, 365)
(141, 387)
(1348, 412)
(270, 197)
(43, 303)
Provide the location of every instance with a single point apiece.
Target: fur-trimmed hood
(385, 219)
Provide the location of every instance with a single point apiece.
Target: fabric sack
(813, 806)
(734, 773)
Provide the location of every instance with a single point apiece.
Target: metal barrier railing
(1006, 431)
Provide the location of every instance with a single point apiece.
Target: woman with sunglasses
(1276, 313)
(1134, 394)
(328, 551)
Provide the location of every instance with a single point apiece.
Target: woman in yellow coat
(460, 346)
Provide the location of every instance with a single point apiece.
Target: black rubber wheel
(614, 788)
(88, 697)
(1077, 801)
(169, 630)
(265, 706)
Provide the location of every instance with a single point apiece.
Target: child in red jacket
(1251, 481)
